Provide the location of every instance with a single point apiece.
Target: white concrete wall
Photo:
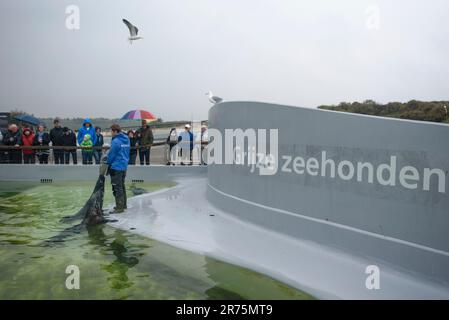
(393, 224)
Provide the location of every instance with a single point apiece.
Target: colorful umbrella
(139, 115)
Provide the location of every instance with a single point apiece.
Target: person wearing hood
(56, 140)
(87, 151)
(13, 138)
(87, 128)
(118, 159)
(42, 139)
(69, 140)
(27, 141)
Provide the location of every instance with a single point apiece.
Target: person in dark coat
(3, 154)
(56, 140)
(100, 142)
(145, 141)
(42, 139)
(133, 151)
(69, 140)
(12, 138)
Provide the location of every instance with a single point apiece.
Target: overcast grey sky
(302, 53)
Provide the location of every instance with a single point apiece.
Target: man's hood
(86, 121)
(122, 137)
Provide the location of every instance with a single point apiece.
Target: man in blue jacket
(118, 158)
(87, 128)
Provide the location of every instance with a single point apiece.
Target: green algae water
(113, 264)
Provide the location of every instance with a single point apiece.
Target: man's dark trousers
(118, 186)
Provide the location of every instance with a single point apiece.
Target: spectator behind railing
(204, 140)
(69, 140)
(42, 139)
(14, 149)
(133, 150)
(145, 140)
(56, 140)
(186, 141)
(2, 152)
(87, 150)
(172, 141)
(87, 128)
(12, 138)
(100, 142)
(27, 141)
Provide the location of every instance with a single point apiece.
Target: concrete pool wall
(401, 220)
(38, 173)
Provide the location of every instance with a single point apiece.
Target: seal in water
(91, 213)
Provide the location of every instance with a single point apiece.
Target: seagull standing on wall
(133, 31)
(213, 99)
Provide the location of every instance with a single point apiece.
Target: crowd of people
(23, 145)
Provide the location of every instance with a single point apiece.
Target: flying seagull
(213, 99)
(132, 31)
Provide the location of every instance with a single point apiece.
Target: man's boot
(125, 206)
(119, 206)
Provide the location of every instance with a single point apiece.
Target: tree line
(434, 111)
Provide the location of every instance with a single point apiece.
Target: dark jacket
(56, 136)
(133, 142)
(11, 139)
(100, 140)
(69, 139)
(145, 136)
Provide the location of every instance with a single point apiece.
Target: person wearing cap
(56, 141)
(118, 159)
(186, 144)
(144, 142)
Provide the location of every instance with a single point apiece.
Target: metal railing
(6, 150)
